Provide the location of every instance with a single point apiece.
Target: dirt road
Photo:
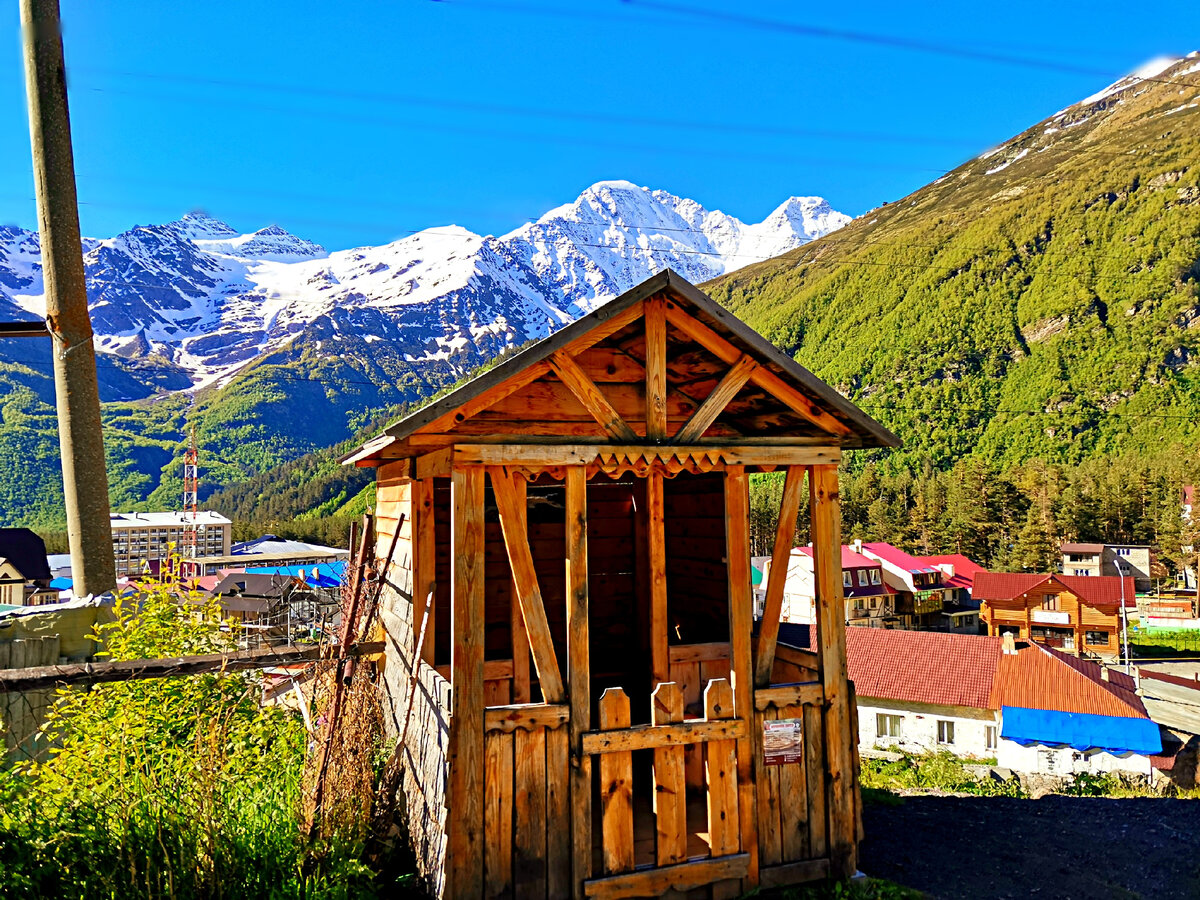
(1057, 847)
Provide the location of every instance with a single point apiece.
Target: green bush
(182, 787)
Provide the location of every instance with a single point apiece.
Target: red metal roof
(1005, 585)
(1100, 590)
(922, 666)
(898, 557)
(850, 559)
(1036, 677)
(962, 565)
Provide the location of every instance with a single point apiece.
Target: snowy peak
(199, 226)
(270, 244)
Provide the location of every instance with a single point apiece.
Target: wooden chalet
(573, 561)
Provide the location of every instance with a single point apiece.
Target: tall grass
(182, 787)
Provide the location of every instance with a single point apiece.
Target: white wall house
(886, 724)
(1045, 759)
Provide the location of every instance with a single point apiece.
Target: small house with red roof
(1079, 614)
(870, 601)
(1033, 709)
(920, 586)
(960, 612)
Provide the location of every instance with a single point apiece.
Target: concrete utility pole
(81, 439)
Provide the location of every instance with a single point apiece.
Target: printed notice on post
(783, 742)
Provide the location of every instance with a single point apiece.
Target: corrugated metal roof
(850, 559)
(897, 557)
(1036, 678)
(1101, 590)
(922, 666)
(1005, 585)
(962, 565)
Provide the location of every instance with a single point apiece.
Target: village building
(267, 550)
(920, 588)
(568, 589)
(143, 541)
(1080, 614)
(1031, 709)
(869, 599)
(24, 571)
(960, 611)
(1093, 560)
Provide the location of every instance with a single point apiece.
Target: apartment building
(142, 540)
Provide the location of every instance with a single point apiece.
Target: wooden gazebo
(592, 690)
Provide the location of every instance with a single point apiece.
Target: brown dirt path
(1080, 848)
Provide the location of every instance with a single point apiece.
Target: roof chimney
(1010, 643)
(858, 546)
(1104, 672)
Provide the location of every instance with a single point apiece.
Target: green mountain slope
(1040, 301)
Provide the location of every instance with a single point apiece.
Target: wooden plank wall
(23, 713)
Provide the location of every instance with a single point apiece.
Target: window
(846, 580)
(1124, 551)
(862, 578)
(874, 603)
(1097, 638)
(875, 576)
(887, 726)
(990, 737)
(1050, 601)
(945, 732)
(1081, 572)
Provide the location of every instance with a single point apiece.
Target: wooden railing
(668, 734)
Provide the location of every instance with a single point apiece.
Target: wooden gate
(527, 811)
(716, 855)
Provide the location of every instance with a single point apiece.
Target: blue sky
(356, 123)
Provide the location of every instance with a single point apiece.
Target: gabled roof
(850, 559)
(26, 552)
(860, 430)
(1101, 590)
(922, 666)
(964, 569)
(1005, 585)
(1036, 677)
(897, 557)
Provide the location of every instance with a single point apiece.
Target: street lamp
(1124, 615)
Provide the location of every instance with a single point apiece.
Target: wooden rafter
(656, 369)
(516, 539)
(764, 378)
(591, 397)
(785, 534)
(734, 380)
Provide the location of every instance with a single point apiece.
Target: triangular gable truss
(645, 369)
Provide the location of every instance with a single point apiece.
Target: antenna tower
(191, 496)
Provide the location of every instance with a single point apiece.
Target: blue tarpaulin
(316, 574)
(61, 583)
(1082, 731)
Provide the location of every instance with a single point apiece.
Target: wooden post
(720, 770)
(616, 788)
(785, 534)
(464, 854)
(424, 564)
(656, 369)
(670, 789)
(657, 558)
(579, 688)
(521, 691)
(831, 648)
(741, 665)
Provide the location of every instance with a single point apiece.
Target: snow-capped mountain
(199, 293)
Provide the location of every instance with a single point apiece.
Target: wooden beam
(826, 515)
(741, 663)
(785, 536)
(733, 381)
(616, 789)
(521, 683)
(516, 539)
(687, 653)
(738, 454)
(42, 677)
(795, 400)
(526, 716)
(464, 758)
(657, 559)
(656, 369)
(649, 737)
(438, 463)
(424, 565)
(591, 397)
(655, 882)
(782, 696)
(579, 688)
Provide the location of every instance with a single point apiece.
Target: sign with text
(783, 742)
(1050, 617)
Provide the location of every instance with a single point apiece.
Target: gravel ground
(1055, 847)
